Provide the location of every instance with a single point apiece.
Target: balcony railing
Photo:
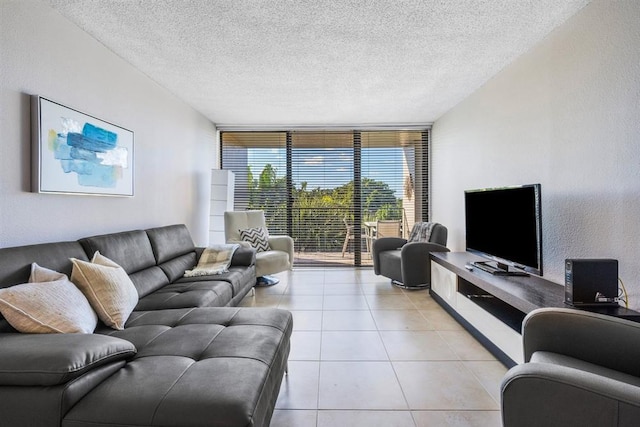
(327, 236)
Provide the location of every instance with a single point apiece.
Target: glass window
(328, 190)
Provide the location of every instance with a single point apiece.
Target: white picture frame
(76, 153)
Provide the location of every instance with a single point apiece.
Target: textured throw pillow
(49, 303)
(108, 288)
(257, 237)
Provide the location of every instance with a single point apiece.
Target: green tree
(319, 214)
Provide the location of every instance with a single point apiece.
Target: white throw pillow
(257, 237)
(108, 288)
(49, 303)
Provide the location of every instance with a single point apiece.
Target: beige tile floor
(365, 353)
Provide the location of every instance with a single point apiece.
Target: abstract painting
(75, 153)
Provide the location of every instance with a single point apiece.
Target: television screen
(504, 225)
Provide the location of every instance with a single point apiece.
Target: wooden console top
(526, 293)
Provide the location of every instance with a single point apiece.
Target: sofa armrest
(51, 359)
(543, 394)
(419, 251)
(416, 265)
(283, 243)
(387, 244)
(243, 257)
(595, 338)
(384, 244)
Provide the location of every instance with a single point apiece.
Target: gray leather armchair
(581, 369)
(406, 261)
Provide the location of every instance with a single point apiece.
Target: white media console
(492, 307)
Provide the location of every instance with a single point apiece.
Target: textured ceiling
(322, 62)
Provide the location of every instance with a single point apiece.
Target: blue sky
(329, 168)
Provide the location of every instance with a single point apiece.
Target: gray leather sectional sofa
(186, 357)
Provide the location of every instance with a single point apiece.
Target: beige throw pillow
(49, 303)
(108, 288)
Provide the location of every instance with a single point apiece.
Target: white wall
(42, 53)
(567, 115)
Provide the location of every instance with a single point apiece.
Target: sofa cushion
(149, 280)
(49, 303)
(130, 249)
(15, 263)
(50, 359)
(175, 268)
(185, 294)
(243, 257)
(107, 287)
(239, 278)
(170, 242)
(219, 367)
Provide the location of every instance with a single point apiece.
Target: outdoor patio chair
(348, 236)
(388, 228)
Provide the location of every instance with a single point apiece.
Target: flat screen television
(504, 225)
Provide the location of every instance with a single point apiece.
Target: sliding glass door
(329, 190)
(322, 170)
(259, 162)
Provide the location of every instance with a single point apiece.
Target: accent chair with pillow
(274, 253)
(406, 261)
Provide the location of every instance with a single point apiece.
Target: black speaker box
(591, 282)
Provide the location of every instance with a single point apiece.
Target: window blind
(323, 176)
(328, 189)
(259, 161)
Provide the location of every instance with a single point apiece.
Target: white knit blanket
(214, 260)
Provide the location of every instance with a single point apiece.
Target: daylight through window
(328, 190)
